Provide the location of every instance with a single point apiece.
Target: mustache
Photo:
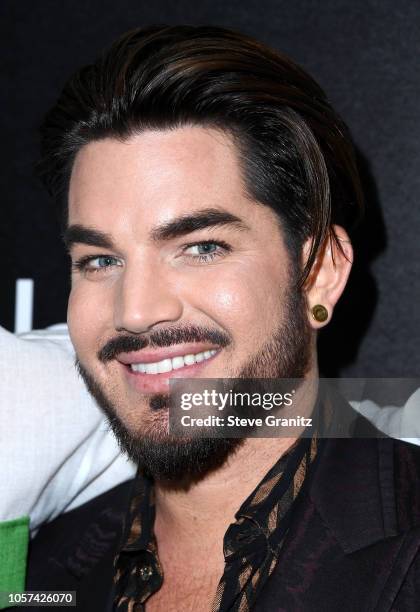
(161, 338)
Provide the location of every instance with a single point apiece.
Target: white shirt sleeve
(402, 422)
(56, 450)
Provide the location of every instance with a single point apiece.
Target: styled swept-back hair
(295, 151)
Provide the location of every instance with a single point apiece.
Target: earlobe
(319, 313)
(328, 277)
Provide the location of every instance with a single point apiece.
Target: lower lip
(159, 383)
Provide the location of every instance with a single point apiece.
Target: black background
(364, 53)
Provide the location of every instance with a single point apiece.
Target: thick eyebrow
(79, 234)
(209, 217)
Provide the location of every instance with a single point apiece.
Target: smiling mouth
(170, 364)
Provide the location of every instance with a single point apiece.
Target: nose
(145, 297)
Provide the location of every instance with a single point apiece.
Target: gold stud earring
(319, 313)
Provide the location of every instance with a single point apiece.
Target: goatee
(181, 461)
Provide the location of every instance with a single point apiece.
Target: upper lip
(154, 355)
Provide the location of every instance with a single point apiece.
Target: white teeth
(164, 366)
(151, 368)
(167, 365)
(177, 362)
(189, 359)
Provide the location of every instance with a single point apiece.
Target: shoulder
(367, 489)
(407, 483)
(77, 550)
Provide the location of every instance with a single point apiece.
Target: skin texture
(126, 190)
(138, 186)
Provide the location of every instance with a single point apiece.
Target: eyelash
(82, 264)
(223, 248)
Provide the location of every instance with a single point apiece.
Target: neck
(208, 506)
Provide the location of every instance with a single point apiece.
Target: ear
(329, 274)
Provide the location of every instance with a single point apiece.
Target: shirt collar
(260, 512)
(251, 544)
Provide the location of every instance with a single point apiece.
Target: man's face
(183, 275)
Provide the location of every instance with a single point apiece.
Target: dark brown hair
(296, 153)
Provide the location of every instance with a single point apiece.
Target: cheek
(246, 303)
(86, 317)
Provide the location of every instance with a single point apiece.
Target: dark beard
(181, 462)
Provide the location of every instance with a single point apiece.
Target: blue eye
(98, 263)
(204, 248)
(102, 262)
(206, 251)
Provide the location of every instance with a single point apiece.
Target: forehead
(156, 174)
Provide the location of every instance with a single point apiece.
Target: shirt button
(146, 572)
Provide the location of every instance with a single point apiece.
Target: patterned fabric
(251, 544)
